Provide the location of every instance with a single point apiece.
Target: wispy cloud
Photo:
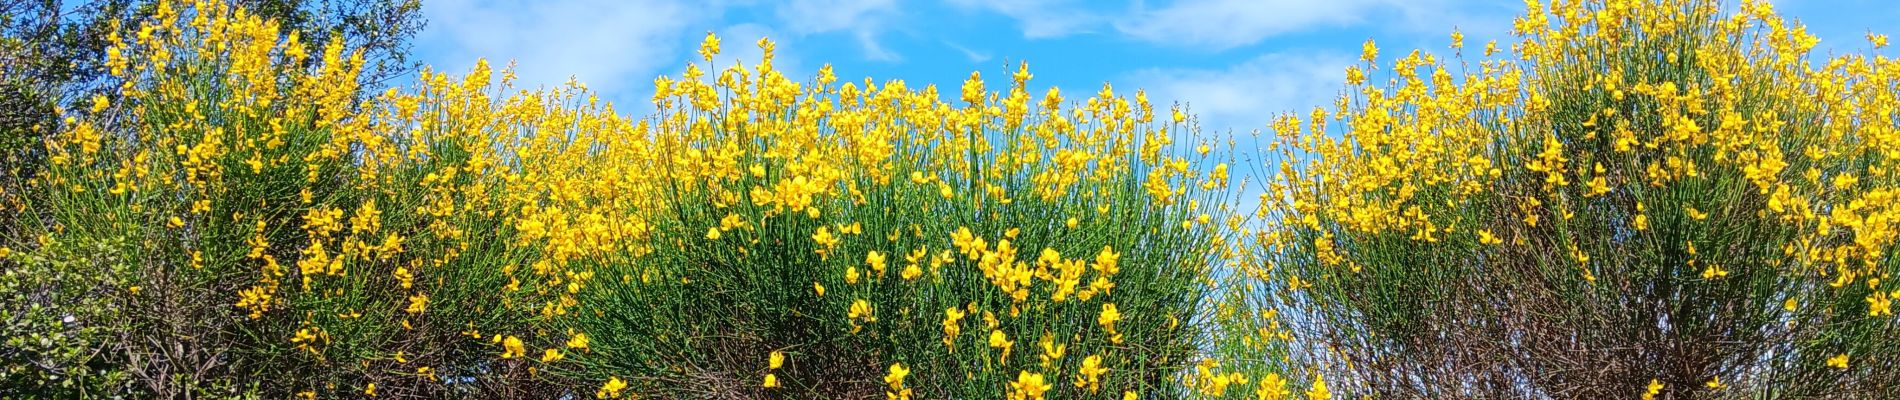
(1223, 24)
(1040, 18)
(864, 19)
(1246, 96)
(608, 44)
(973, 55)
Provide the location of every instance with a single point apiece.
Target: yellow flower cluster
(1589, 148)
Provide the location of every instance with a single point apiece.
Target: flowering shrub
(1636, 198)
(248, 224)
(1654, 200)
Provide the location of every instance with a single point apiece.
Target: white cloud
(874, 51)
(607, 44)
(865, 19)
(972, 54)
(1040, 18)
(816, 16)
(1223, 24)
(1246, 96)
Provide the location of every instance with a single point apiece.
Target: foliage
(53, 56)
(1637, 199)
(1658, 199)
(239, 210)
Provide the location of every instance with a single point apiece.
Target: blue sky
(1235, 62)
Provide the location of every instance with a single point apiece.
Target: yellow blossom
(512, 347)
(1092, 371)
(417, 304)
(895, 379)
(1028, 385)
(1318, 391)
(577, 340)
(611, 389)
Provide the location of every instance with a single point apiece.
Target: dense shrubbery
(1644, 200)
(1639, 199)
(253, 228)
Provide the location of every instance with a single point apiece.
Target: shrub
(1638, 200)
(860, 231)
(245, 223)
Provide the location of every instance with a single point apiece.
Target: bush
(252, 226)
(1660, 200)
(1637, 200)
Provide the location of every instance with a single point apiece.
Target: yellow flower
(973, 88)
(1001, 341)
(1838, 361)
(911, 272)
(552, 355)
(577, 340)
(1271, 387)
(1655, 387)
(1107, 319)
(825, 238)
(1092, 371)
(896, 377)
(1879, 303)
(952, 326)
(611, 389)
(820, 289)
(776, 360)
(771, 381)
(860, 311)
(1694, 213)
(1713, 272)
(1715, 383)
(876, 260)
(1052, 352)
(417, 304)
(511, 347)
(370, 390)
(712, 233)
(896, 381)
(709, 47)
(1319, 392)
(1028, 385)
(1485, 237)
